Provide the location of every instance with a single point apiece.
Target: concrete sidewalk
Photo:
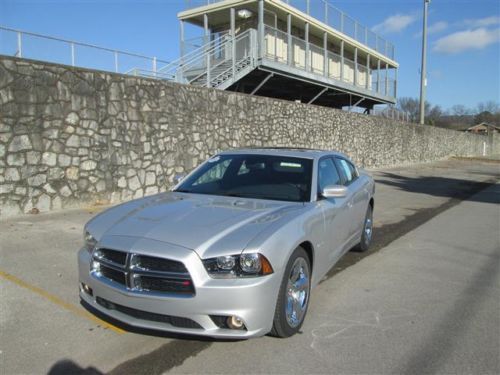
(426, 302)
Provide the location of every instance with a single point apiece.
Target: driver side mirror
(334, 191)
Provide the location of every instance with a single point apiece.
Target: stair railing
(243, 43)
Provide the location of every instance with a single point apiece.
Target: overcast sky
(464, 36)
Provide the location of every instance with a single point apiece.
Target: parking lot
(424, 299)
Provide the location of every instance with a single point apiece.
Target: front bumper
(252, 299)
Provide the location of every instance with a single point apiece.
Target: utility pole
(423, 70)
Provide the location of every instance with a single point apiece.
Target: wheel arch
(309, 248)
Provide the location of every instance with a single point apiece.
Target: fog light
(234, 322)
(87, 289)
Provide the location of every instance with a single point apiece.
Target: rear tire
(293, 296)
(367, 235)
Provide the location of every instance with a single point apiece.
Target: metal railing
(311, 58)
(392, 113)
(35, 46)
(330, 15)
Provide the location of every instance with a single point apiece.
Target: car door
(335, 211)
(357, 192)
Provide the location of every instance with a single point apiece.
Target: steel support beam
(396, 83)
(386, 79)
(269, 76)
(207, 40)
(378, 76)
(260, 29)
(368, 74)
(318, 95)
(356, 104)
(325, 54)
(289, 39)
(307, 46)
(181, 34)
(355, 66)
(232, 16)
(342, 60)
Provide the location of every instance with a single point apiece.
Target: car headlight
(241, 265)
(89, 242)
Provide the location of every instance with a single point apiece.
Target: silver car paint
(192, 227)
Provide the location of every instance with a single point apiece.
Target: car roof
(307, 153)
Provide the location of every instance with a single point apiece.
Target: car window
(327, 174)
(214, 173)
(253, 176)
(348, 170)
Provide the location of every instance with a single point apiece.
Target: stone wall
(70, 136)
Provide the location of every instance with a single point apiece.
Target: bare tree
(460, 110)
(489, 106)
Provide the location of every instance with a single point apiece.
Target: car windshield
(253, 176)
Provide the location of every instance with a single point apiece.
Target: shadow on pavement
(66, 366)
(438, 186)
(384, 235)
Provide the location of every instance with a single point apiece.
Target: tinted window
(214, 173)
(253, 176)
(327, 174)
(348, 171)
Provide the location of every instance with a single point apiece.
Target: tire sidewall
(363, 246)
(281, 324)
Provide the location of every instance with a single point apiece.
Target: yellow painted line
(59, 302)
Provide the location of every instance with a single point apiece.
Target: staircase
(211, 65)
(221, 76)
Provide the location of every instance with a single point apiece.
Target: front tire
(293, 297)
(366, 237)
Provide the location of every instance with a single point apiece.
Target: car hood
(209, 225)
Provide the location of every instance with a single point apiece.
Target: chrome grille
(142, 273)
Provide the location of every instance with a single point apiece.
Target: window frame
(341, 176)
(345, 181)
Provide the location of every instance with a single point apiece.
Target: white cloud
(434, 28)
(395, 24)
(437, 27)
(467, 40)
(483, 22)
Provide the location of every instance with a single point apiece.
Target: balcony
(329, 15)
(325, 65)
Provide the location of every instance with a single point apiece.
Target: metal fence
(325, 12)
(392, 113)
(30, 45)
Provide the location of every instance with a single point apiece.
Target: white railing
(35, 46)
(330, 15)
(392, 113)
(311, 58)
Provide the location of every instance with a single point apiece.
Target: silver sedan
(234, 249)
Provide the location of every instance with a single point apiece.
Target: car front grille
(142, 273)
(176, 321)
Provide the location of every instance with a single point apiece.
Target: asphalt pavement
(425, 299)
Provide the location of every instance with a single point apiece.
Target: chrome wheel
(297, 293)
(368, 228)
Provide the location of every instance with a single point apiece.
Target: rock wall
(71, 136)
